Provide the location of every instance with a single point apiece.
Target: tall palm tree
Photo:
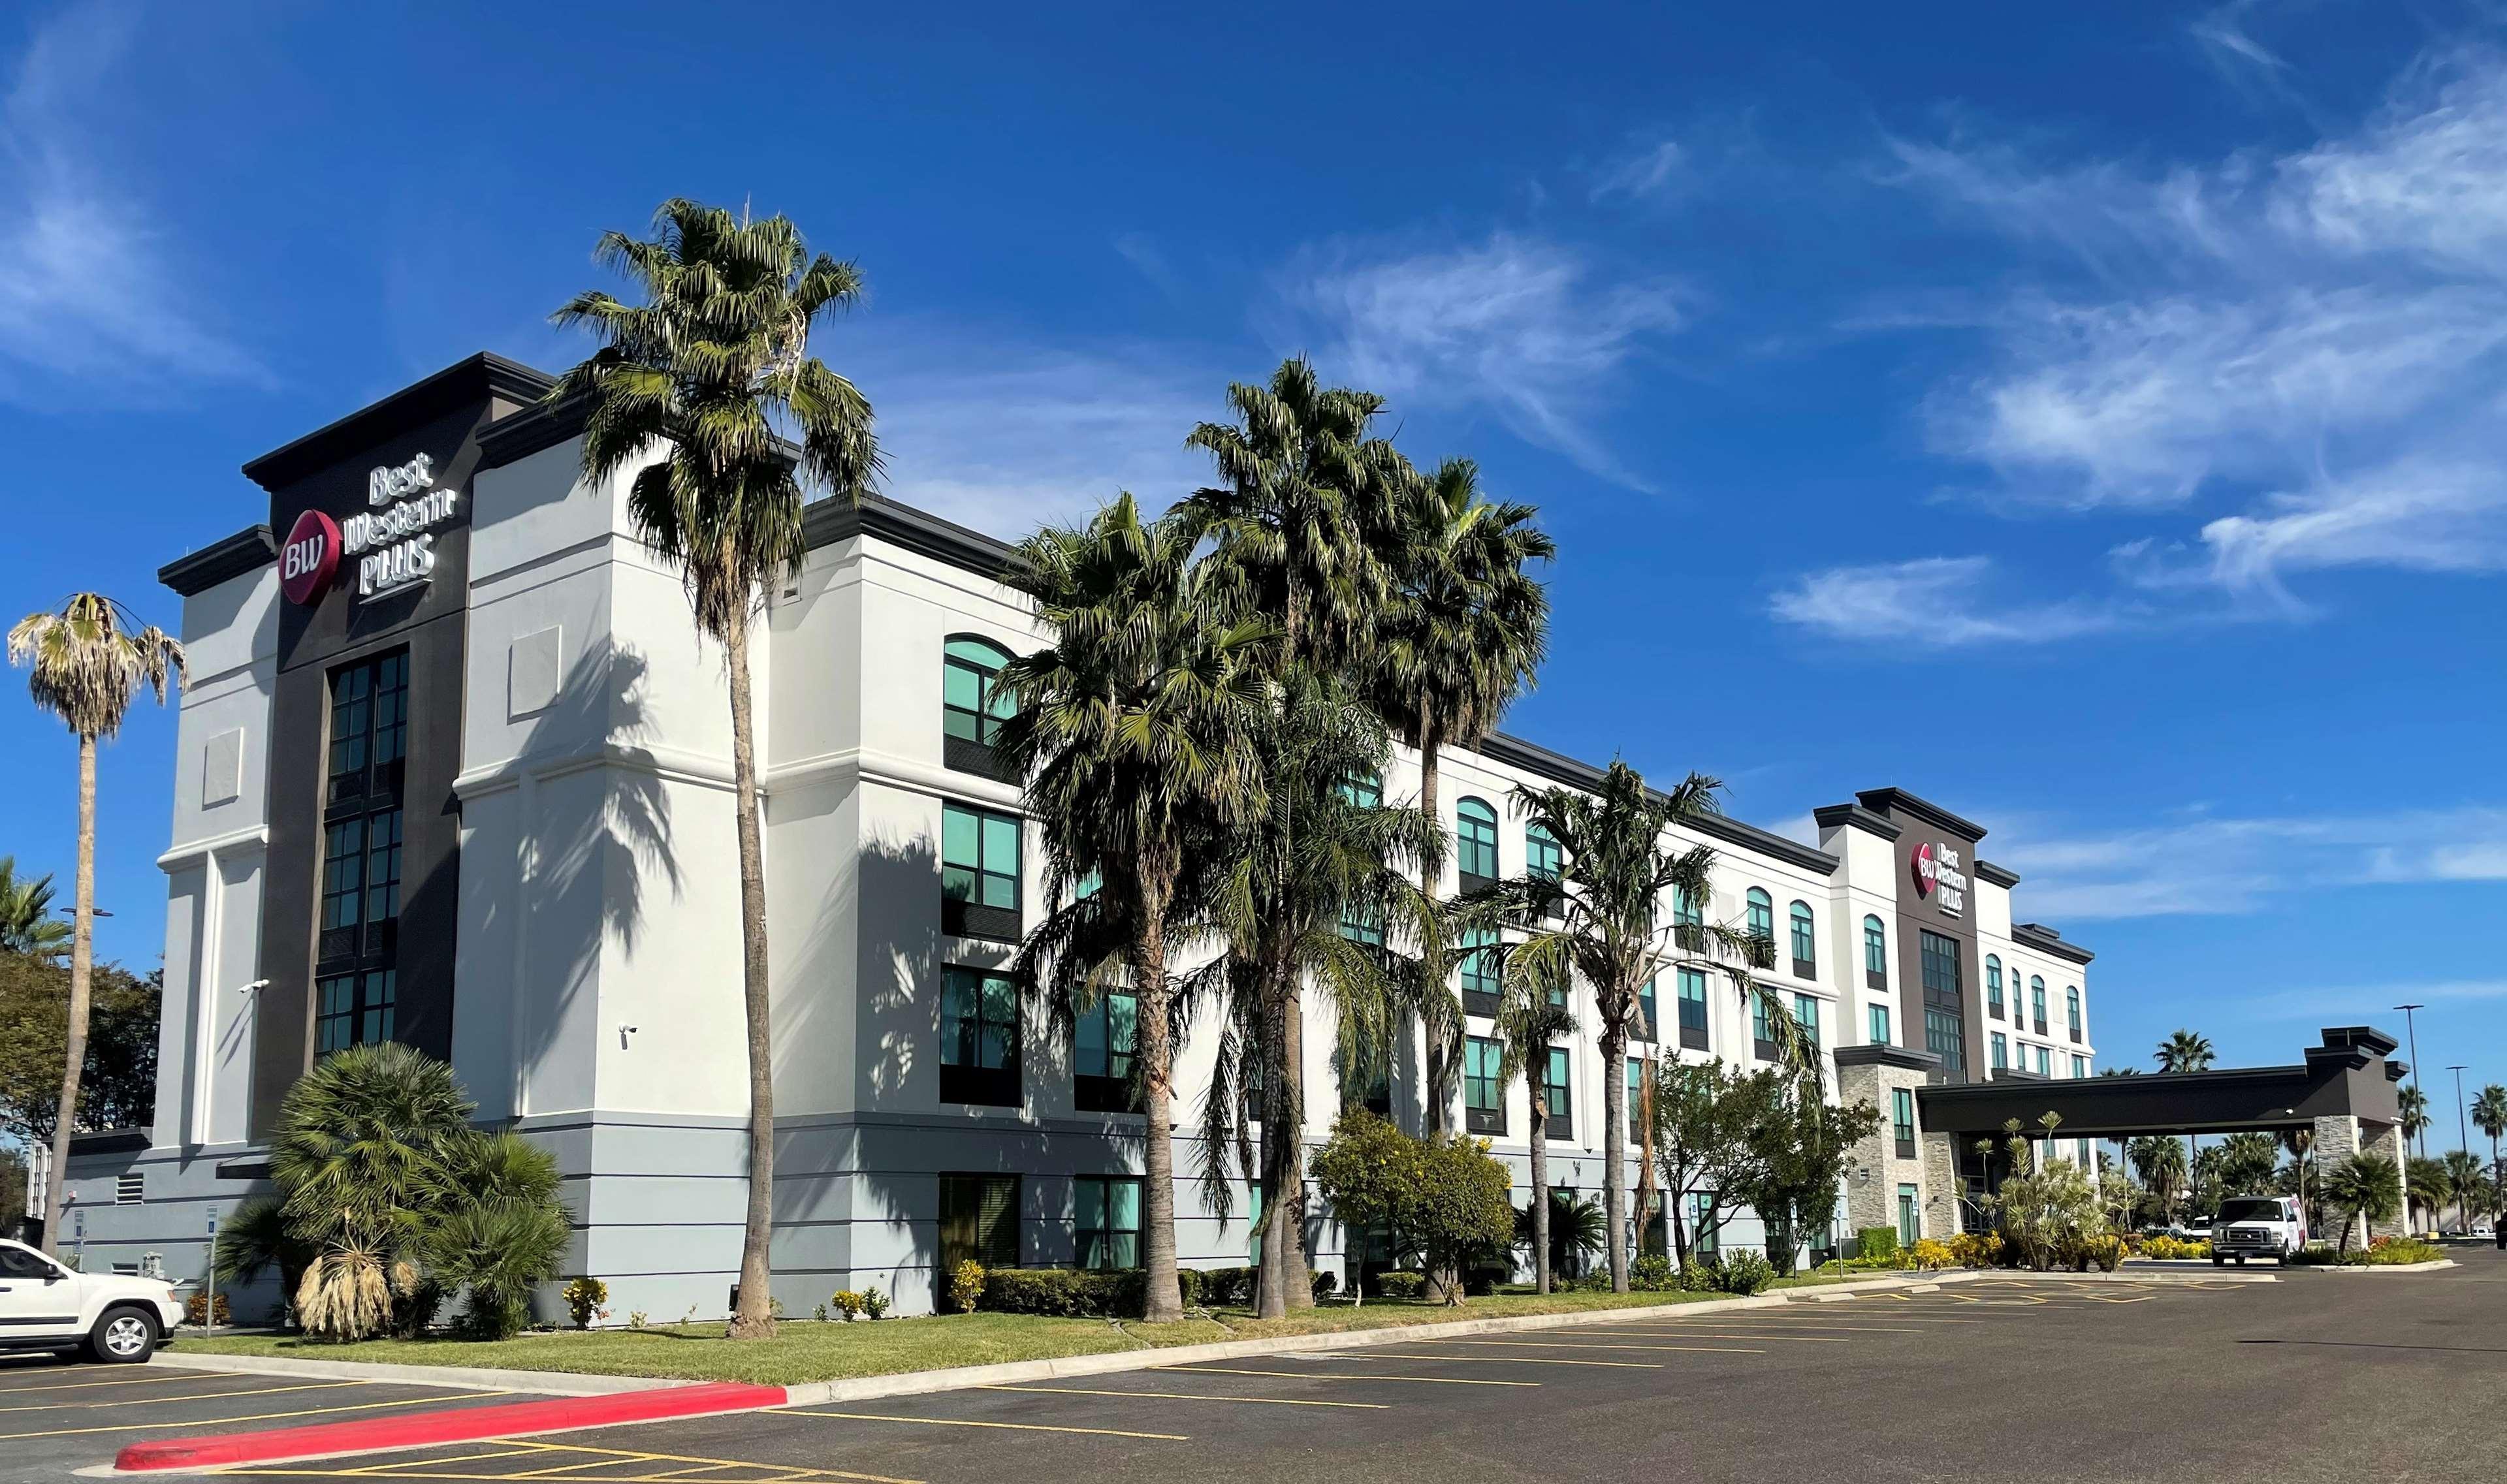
(2161, 1163)
(2188, 1051)
(2464, 1179)
(1292, 523)
(2414, 1107)
(1462, 636)
(1610, 923)
(2426, 1187)
(86, 665)
(2366, 1188)
(709, 392)
(26, 921)
(1133, 730)
(1532, 1014)
(2490, 1116)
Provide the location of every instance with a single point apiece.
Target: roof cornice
(1831, 816)
(1557, 767)
(472, 378)
(247, 550)
(824, 523)
(2045, 940)
(1897, 801)
(2005, 879)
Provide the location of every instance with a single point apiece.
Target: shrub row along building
(454, 770)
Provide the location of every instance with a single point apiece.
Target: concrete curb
(424, 1430)
(914, 1383)
(459, 1377)
(2134, 1275)
(2391, 1267)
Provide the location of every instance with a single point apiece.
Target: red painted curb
(417, 1429)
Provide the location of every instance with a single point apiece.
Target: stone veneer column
(1873, 1074)
(1938, 1189)
(2386, 1138)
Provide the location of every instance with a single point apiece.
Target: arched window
(1993, 985)
(1476, 842)
(2072, 1009)
(1762, 915)
(1542, 862)
(972, 705)
(2037, 1001)
(1806, 942)
(1875, 954)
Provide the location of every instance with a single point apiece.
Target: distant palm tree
(26, 921)
(89, 661)
(708, 393)
(2161, 1163)
(1462, 636)
(2188, 1051)
(2414, 1111)
(1530, 1019)
(2463, 1177)
(1133, 730)
(2490, 1116)
(2427, 1186)
(2366, 1188)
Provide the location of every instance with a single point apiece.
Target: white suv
(112, 1316)
(2258, 1226)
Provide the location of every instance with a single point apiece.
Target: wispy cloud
(1523, 327)
(87, 292)
(1934, 601)
(1003, 436)
(2320, 1002)
(1642, 172)
(2209, 865)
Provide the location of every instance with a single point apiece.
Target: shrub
(2166, 1249)
(637, 1319)
(1235, 1285)
(1075, 1294)
(874, 1303)
(2389, 1253)
(848, 1303)
(195, 1309)
(1876, 1242)
(819, 1313)
(1650, 1273)
(1927, 1255)
(583, 1298)
(1975, 1249)
(1401, 1284)
(966, 1285)
(2104, 1251)
(1743, 1272)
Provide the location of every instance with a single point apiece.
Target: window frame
(1761, 910)
(1875, 953)
(2000, 1050)
(975, 1083)
(1902, 1121)
(1993, 986)
(1477, 976)
(1806, 1015)
(2072, 1012)
(364, 823)
(1543, 860)
(1944, 1002)
(1109, 1090)
(1875, 1020)
(2036, 1003)
(1761, 1024)
(1490, 1054)
(1802, 926)
(964, 1199)
(1475, 844)
(978, 750)
(1105, 1228)
(1648, 1024)
(1696, 1031)
(970, 917)
(1558, 1093)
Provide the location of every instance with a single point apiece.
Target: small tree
(1798, 1148)
(1459, 1210)
(1368, 1172)
(1704, 1120)
(2366, 1188)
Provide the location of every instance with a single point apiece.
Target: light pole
(2411, 1030)
(2462, 1141)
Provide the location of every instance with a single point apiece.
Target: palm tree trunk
(1645, 1162)
(1541, 1275)
(1165, 1303)
(1438, 1114)
(1282, 1270)
(754, 1320)
(1614, 1143)
(81, 965)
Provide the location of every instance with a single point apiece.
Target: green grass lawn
(810, 1351)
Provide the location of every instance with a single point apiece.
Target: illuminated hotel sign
(1938, 877)
(394, 540)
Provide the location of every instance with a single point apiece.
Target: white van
(2258, 1226)
(113, 1316)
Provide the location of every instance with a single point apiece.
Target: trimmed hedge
(1235, 1285)
(1876, 1242)
(1078, 1293)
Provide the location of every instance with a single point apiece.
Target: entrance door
(1908, 1230)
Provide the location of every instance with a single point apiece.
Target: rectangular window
(1879, 1024)
(1359, 926)
(1543, 863)
(1484, 1091)
(1644, 1029)
(357, 937)
(1561, 1098)
(2045, 1062)
(369, 730)
(1908, 1230)
(1806, 1014)
(1763, 1027)
(2079, 1066)
(979, 873)
(1702, 1234)
(2001, 1052)
(1480, 971)
(1902, 1120)
(1102, 1045)
(1106, 1222)
(1692, 1009)
(979, 1220)
(979, 1038)
(1944, 1002)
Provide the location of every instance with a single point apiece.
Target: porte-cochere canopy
(2351, 1074)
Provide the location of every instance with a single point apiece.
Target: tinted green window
(972, 705)
(1692, 984)
(1901, 1117)
(1365, 789)
(1908, 1231)
(1993, 984)
(1103, 1039)
(1480, 964)
(2072, 1010)
(1106, 1222)
(2037, 1001)
(1475, 841)
(2001, 1052)
(979, 857)
(1482, 1091)
(1805, 938)
(1806, 1011)
(978, 1019)
(1540, 857)
(1879, 1017)
(1875, 948)
(1653, 1025)
(1762, 915)
(1558, 1089)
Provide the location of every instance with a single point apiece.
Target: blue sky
(2088, 420)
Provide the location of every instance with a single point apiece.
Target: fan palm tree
(2299, 1142)
(2187, 1051)
(87, 663)
(2490, 1116)
(1317, 905)
(2412, 1105)
(1608, 922)
(1133, 729)
(1532, 1015)
(2427, 1188)
(1462, 636)
(2159, 1162)
(2463, 1177)
(26, 921)
(1292, 523)
(2366, 1188)
(709, 392)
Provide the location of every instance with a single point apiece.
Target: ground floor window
(978, 1222)
(1701, 1223)
(1106, 1222)
(1907, 1228)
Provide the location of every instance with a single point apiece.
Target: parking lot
(2319, 1376)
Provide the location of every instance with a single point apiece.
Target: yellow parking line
(168, 1376)
(1718, 1334)
(698, 1457)
(1223, 1370)
(1013, 1427)
(1543, 1345)
(220, 1422)
(385, 1470)
(1452, 1359)
(151, 1402)
(1857, 1329)
(1275, 1401)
